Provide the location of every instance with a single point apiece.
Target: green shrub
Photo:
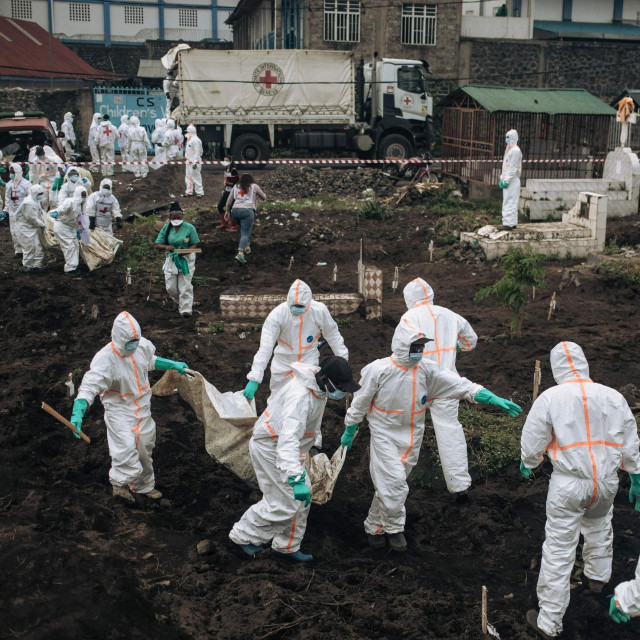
(374, 210)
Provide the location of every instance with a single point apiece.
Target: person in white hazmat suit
(69, 139)
(123, 140)
(70, 224)
(394, 393)
(451, 334)
(294, 327)
(588, 432)
(105, 141)
(172, 141)
(44, 163)
(510, 180)
(625, 602)
(119, 374)
(103, 208)
(16, 191)
(281, 440)
(157, 138)
(93, 147)
(171, 90)
(30, 224)
(138, 144)
(193, 168)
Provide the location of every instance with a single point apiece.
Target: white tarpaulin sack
(228, 420)
(101, 250)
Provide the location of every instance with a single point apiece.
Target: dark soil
(78, 565)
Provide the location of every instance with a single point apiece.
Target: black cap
(175, 206)
(420, 342)
(339, 373)
(106, 117)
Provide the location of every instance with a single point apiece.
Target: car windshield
(411, 79)
(15, 143)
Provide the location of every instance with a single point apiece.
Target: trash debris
(295, 215)
(321, 264)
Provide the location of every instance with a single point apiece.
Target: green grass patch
(374, 210)
(203, 281)
(344, 322)
(215, 327)
(325, 202)
(625, 271)
(140, 253)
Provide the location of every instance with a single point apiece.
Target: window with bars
(21, 9)
(134, 15)
(187, 17)
(419, 24)
(342, 20)
(79, 12)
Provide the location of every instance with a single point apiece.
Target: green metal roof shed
(563, 133)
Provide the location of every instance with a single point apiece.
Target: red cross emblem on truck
(268, 79)
(407, 101)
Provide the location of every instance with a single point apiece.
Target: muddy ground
(78, 565)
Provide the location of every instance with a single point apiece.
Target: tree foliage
(522, 269)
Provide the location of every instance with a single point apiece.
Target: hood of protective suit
(191, 130)
(568, 362)
(306, 375)
(299, 293)
(68, 117)
(34, 191)
(512, 135)
(125, 328)
(171, 124)
(158, 124)
(71, 170)
(125, 120)
(105, 182)
(417, 291)
(77, 194)
(401, 343)
(17, 169)
(134, 121)
(96, 118)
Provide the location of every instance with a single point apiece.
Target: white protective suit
(157, 138)
(170, 87)
(281, 440)
(15, 192)
(104, 209)
(44, 172)
(93, 148)
(29, 223)
(172, 141)
(71, 219)
(588, 432)
(628, 595)
(69, 139)
(193, 172)
(123, 140)
(138, 144)
(295, 339)
(122, 382)
(394, 393)
(68, 187)
(511, 171)
(447, 330)
(105, 141)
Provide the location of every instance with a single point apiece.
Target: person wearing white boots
(172, 141)
(157, 138)
(30, 225)
(70, 224)
(103, 208)
(510, 181)
(93, 147)
(123, 141)
(17, 189)
(69, 139)
(44, 167)
(193, 168)
(138, 144)
(105, 140)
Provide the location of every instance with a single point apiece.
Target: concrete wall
(489, 27)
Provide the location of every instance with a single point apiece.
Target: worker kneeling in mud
(280, 443)
(394, 393)
(119, 374)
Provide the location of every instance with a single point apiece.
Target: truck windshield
(411, 79)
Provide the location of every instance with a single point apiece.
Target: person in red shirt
(230, 179)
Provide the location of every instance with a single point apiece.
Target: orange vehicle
(19, 132)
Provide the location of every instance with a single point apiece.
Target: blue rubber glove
(79, 235)
(42, 228)
(54, 214)
(527, 473)
(615, 614)
(79, 409)
(300, 490)
(486, 397)
(347, 436)
(634, 491)
(250, 389)
(3, 215)
(162, 364)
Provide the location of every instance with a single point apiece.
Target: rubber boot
(250, 549)
(123, 493)
(232, 226)
(397, 541)
(223, 223)
(532, 621)
(298, 556)
(376, 542)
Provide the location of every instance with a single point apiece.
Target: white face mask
(105, 192)
(176, 223)
(73, 178)
(40, 196)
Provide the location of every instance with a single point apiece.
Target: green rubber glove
(300, 490)
(250, 389)
(347, 436)
(57, 183)
(458, 349)
(486, 397)
(615, 614)
(503, 184)
(162, 364)
(79, 409)
(527, 473)
(634, 491)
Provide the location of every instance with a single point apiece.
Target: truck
(20, 131)
(250, 103)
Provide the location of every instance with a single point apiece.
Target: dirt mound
(77, 565)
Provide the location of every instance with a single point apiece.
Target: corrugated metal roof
(551, 101)
(24, 52)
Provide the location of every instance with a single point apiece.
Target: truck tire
(394, 145)
(250, 146)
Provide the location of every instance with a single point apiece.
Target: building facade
(112, 22)
(411, 30)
